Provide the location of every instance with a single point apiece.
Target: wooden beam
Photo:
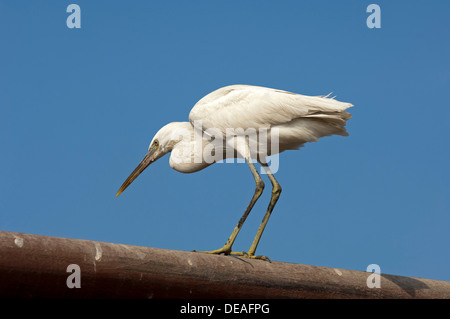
(34, 266)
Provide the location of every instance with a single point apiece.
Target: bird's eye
(156, 142)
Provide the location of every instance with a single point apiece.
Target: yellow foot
(222, 251)
(252, 256)
(227, 251)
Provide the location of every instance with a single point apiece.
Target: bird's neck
(187, 147)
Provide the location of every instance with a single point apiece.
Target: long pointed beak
(146, 161)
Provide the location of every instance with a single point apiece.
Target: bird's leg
(226, 249)
(276, 191)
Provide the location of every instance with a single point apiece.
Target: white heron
(296, 118)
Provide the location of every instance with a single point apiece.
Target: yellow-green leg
(226, 249)
(276, 191)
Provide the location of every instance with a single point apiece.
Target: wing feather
(299, 118)
(245, 106)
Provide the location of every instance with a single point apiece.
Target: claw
(222, 251)
(225, 251)
(262, 258)
(257, 257)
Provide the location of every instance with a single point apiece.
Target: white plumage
(296, 119)
(299, 118)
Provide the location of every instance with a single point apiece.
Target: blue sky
(78, 108)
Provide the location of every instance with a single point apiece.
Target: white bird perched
(221, 121)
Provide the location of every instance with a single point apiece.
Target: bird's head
(162, 143)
